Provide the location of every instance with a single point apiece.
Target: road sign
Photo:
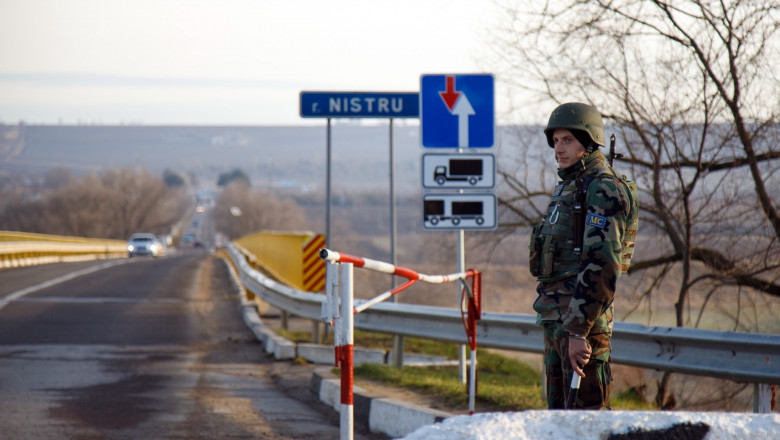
(360, 105)
(457, 111)
(459, 211)
(458, 171)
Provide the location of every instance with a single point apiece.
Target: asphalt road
(142, 349)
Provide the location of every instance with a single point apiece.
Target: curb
(281, 348)
(378, 414)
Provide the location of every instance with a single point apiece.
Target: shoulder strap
(632, 220)
(578, 217)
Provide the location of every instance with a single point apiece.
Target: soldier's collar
(594, 159)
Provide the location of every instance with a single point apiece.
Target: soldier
(577, 253)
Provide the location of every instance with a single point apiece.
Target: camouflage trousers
(595, 387)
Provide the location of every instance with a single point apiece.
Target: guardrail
(289, 256)
(19, 249)
(740, 357)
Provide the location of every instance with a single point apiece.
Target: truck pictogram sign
(458, 171)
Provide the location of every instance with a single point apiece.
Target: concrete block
(397, 419)
(317, 353)
(278, 346)
(422, 359)
(255, 324)
(325, 354)
(284, 349)
(330, 393)
(365, 355)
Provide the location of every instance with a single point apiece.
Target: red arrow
(450, 96)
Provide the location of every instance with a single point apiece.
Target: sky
(222, 61)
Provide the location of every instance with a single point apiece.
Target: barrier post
(338, 309)
(346, 357)
(473, 315)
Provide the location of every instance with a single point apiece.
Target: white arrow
(463, 110)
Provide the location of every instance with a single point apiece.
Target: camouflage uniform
(576, 292)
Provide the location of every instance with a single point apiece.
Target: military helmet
(576, 116)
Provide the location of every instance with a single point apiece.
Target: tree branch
(718, 262)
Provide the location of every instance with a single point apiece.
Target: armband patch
(595, 220)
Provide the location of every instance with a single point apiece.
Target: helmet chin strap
(592, 146)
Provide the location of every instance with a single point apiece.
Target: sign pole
(327, 189)
(392, 204)
(317, 336)
(460, 285)
(398, 340)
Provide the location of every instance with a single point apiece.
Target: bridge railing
(25, 249)
(740, 357)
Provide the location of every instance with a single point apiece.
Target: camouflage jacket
(578, 289)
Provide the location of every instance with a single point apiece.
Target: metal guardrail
(741, 357)
(24, 249)
(288, 256)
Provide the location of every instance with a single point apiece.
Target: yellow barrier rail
(291, 257)
(19, 249)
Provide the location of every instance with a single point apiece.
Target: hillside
(278, 156)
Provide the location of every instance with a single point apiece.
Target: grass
(503, 384)
(630, 400)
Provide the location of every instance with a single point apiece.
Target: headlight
(130, 248)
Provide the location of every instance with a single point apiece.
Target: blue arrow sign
(360, 105)
(457, 111)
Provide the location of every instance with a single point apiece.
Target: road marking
(64, 299)
(53, 282)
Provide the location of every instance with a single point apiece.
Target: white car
(144, 244)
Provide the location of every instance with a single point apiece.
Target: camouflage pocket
(535, 252)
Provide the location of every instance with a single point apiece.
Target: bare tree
(692, 89)
(113, 204)
(241, 210)
(140, 201)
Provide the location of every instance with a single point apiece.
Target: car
(144, 244)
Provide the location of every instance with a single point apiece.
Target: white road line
(20, 293)
(63, 299)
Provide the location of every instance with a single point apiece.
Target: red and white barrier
(338, 309)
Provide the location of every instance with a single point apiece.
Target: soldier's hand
(579, 354)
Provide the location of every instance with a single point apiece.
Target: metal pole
(762, 398)
(398, 340)
(317, 336)
(460, 286)
(472, 381)
(393, 257)
(327, 189)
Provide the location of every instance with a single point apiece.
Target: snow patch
(590, 425)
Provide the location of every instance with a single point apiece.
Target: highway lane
(145, 349)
